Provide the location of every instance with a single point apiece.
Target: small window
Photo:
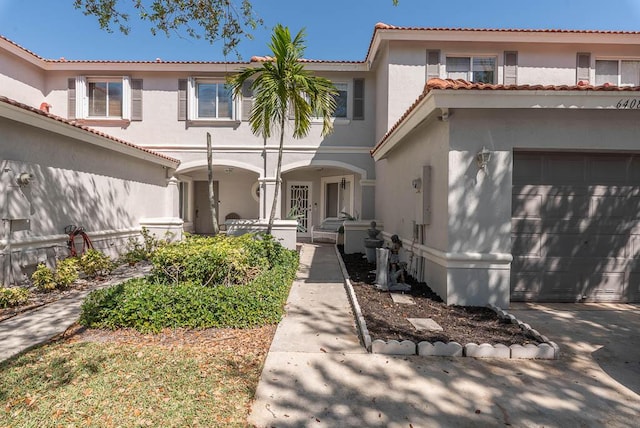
(472, 69)
(105, 99)
(341, 100)
(618, 72)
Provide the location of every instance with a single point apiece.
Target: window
(214, 100)
(206, 100)
(104, 98)
(341, 100)
(618, 72)
(183, 200)
(473, 69)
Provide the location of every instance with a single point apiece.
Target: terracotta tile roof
(42, 112)
(381, 26)
(463, 85)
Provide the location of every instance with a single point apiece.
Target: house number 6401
(628, 104)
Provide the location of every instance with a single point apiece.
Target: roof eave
(34, 119)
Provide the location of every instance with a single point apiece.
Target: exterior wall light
(416, 183)
(482, 158)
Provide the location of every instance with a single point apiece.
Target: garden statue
(389, 269)
(372, 242)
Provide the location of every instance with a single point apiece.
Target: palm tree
(283, 88)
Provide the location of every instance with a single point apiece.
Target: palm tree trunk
(278, 179)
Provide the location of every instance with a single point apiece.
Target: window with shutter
(247, 99)
(71, 98)
(433, 65)
(136, 99)
(358, 99)
(511, 68)
(182, 99)
(583, 66)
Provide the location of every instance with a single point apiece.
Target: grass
(123, 385)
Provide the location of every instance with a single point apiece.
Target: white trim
(465, 260)
(61, 239)
(327, 163)
(260, 148)
(188, 167)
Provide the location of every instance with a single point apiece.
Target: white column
(172, 207)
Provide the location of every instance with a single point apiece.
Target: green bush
(138, 251)
(43, 278)
(13, 296)
(220, 260)
(151, 306)
(66, 272)
(148, 305)
(94, 263)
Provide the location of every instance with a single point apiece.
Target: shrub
(151, 306)
(221, 260)
(94, 263)
(66, 272)
(13, 296)
(138, 251)
(43, 278)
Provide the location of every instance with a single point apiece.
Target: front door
(203, 221)
(299, 205)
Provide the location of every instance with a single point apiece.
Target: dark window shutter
(511, 68)
(182, 99)
(583, 64)
(358, 99)
(433, 65)
(71, 98)
(247, 99)
(136, 99)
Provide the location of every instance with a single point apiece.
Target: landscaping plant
(95, 263)
(13, 296)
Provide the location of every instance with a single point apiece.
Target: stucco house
(506, 160)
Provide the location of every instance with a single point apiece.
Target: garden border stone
(546, 350)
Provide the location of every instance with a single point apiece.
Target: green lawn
(116, 385)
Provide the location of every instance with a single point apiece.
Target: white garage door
(575, 228)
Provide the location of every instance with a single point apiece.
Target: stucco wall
(76, 183)
(20, 80)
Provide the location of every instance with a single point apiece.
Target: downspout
(7, 248)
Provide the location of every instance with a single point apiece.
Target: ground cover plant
(201, 282)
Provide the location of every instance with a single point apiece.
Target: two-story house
(504, 159)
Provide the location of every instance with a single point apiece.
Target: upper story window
(206, 99)
(341, 100)
(479, 69)
(618, 72)
(215, 100)
(104, 99)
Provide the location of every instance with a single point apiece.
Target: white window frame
(620, 61)
(343, 119)
(82, 96)
(470, 72)
(192, 97)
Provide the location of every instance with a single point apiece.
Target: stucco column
(368, 199)
(266, 198)
(172, 206)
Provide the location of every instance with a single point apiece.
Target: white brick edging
(357, 312)
(546, 350)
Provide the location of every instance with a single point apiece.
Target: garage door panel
(564, 169)
(609, 170)
(576, 228)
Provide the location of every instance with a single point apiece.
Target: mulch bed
(387, 320)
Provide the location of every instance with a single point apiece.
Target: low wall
(284, 231)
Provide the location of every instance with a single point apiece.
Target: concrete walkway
(317, 375)
(34, 327)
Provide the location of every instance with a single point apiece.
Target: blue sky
(336, 30)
